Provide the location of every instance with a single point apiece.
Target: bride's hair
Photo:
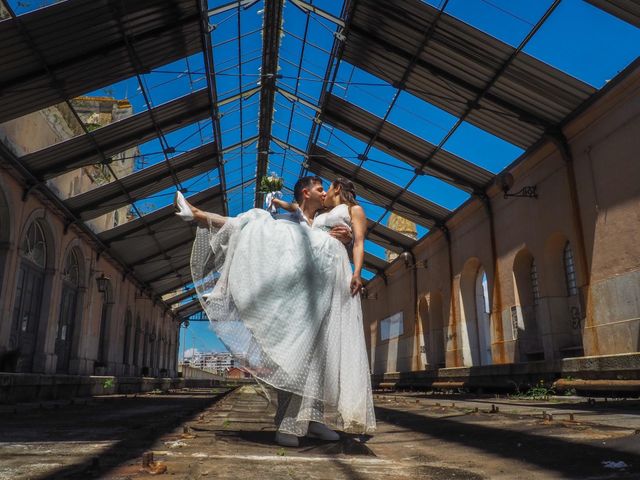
(347, 191)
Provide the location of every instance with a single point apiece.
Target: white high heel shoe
(183, 210)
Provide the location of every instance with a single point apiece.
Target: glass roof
(571, 36)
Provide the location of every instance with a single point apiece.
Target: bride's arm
(359, 225)
(288, 206)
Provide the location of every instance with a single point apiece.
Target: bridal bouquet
(272, 186)
(271, 183)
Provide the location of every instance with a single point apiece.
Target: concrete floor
(205, 434)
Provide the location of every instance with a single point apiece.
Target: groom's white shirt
(295, 217)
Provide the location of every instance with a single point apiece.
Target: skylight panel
(586, 42)
(482, 148)
(421, 118)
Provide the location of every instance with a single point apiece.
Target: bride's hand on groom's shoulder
(342, 233)
(356, 285)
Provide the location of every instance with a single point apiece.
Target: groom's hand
(342, 233)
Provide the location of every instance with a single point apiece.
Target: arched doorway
(475, 311)
(68, 309)
(524, 312)
(29, 297)
(483, 316)
(126, 347)
(136, 344)
(105, 321)
(562, 295)
(423, 341)
(437, 329)
(144, 371)
(5, 234)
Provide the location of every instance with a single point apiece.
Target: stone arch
(73, 273)
(6, 230)
(102, 356)
(423, 341)
(136, 343)
(145, 350)
(524, 314)
(437, 330)
(562, 297)
(475, 314)
(126, 343)
(32, 299)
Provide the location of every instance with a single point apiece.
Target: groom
(309, 194)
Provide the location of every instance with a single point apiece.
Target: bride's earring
(182, 207)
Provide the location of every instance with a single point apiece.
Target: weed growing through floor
(226, 423)
(281, 452)
(539, 391)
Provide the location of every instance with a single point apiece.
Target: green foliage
(540, 391)
(108, 383)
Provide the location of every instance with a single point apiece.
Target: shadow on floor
(569, 459)
(133, 424)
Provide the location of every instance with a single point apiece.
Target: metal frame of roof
(144, 182)
(377, 189)
(56, 53)
(79, 46)
(627, 10)
(270, 52)
(69, 47)
(403, 145)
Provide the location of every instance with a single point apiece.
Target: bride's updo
(347, 191)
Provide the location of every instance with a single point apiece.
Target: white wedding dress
(277, 294)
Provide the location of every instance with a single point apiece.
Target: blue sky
(578, 39)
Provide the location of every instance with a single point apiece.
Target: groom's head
(309, 191)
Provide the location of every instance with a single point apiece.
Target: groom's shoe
(182, 207)
(321, 431)
(287, 440)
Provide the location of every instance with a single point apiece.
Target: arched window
(569, 271)
(29, 298)
(475, 312)
(104, 344)
(34, 246)
(524, 311)
(68, 308)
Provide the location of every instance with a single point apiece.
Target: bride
(281, 295)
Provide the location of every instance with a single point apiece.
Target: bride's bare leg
(204, 219)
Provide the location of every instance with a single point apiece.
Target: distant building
(56, 124)
(212, 361)
(401, 225)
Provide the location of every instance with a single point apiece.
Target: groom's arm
(343, 234)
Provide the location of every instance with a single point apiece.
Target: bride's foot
(287, 440)
(183, 209)
(321, 431)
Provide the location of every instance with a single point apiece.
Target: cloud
(190, 353)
